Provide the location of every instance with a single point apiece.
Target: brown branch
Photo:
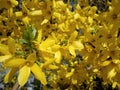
(16, 86)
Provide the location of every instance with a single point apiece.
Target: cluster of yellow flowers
(47, 39)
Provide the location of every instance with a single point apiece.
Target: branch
(16, 86)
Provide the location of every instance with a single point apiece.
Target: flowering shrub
(62, 44)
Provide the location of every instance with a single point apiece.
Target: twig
(16, 86)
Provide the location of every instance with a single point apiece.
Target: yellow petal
(111, 73)
(39, 36)
(14, 2)
(11, 45)
(54, 4)
(55, 48)
(44, 21)
(24, 74)
(95, 70)
(26, 20)
(47, 43)
(83, 19)
(70, 73)
(14, 63)
(39, 74)
(10, 74)
(5, 57)
(10, 10)
(49, 61)
(73, 36)
(76, 16)
(114, 84)
(18, 14)
(36, 12)
(78, 45)
(90, 20)
(53, 67)
(72, 51)
(4, 49)
(74, 81)
(105, 63)
(32, 57)
(57, 15)
(58, 57)
(116, 61)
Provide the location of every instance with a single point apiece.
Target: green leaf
(30, 33)
(22, 41)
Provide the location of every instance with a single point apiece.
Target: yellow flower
(58, 56)
(53, 67)
(35, 13)
(10, 74)
(26, 20)
(104, 71)
(47, 44)
(7, 51)
(69, 74)
(110, 68)
(14, 2)
(74, 44)
(18, 14)
(111, 73)
(46, 8)
(26, 66)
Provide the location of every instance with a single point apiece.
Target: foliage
(65, 44)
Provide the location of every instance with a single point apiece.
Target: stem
(16, 86)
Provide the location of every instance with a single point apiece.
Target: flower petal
(36, 13)
(73, 36)
(39, 74)
(48, 61)
(10, 74)
(53, 67)
(44, 21)
(106, 63)
(32, 57)
(24, 74)
(11, 45)
(14, 2)
(13, 63)
(72, 50)
(58, 57)
(26, 20)
(46, 44)
(39, 36)
(5, 57)
(111, 74)
(78, 45)
(4, 49)
(69, 74)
